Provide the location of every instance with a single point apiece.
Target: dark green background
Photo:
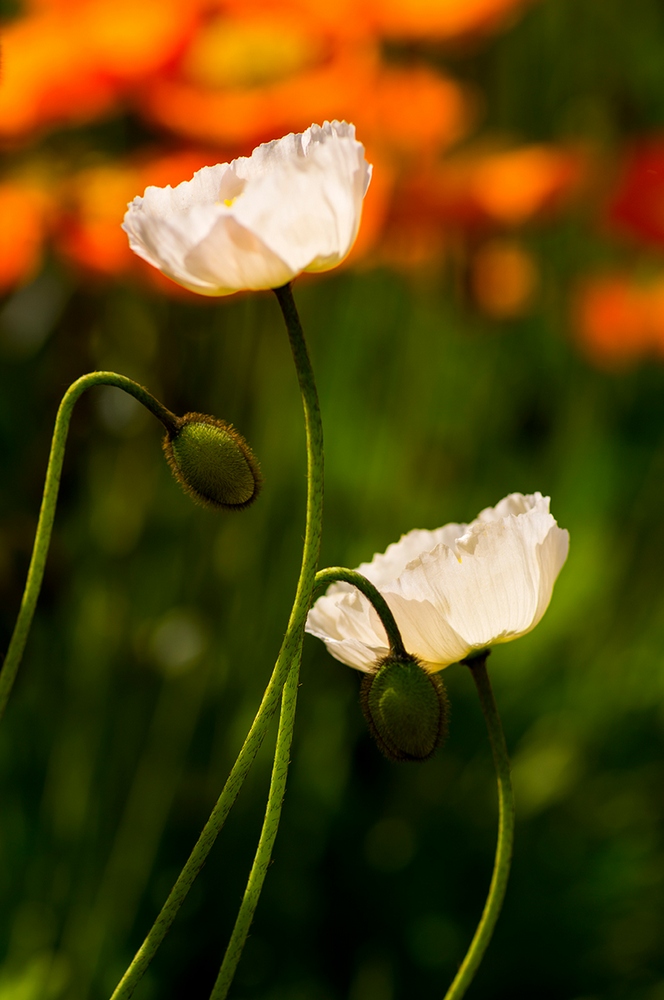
(112, 754)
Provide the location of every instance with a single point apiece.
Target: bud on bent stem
(212, 462)
(406, 707)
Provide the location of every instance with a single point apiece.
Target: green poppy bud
(212, 462)
(406, 708)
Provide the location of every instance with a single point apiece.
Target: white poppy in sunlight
(454, 590)
(294, 205)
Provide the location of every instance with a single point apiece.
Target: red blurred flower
(637, 206)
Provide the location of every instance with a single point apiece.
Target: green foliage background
(159, 621)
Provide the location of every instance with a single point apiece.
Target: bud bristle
(213, 463)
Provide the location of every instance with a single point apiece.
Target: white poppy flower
(457, 589)
(294, 205)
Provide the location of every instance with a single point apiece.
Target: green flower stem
(288, 658)
(314, 442)
(503, 857)
(210, 831)
(49, 502)
(268, 835)
(334, 574)
(298, 618)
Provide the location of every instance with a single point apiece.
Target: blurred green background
(159, 622)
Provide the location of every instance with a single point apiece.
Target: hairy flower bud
(406, 708)
(212, 462)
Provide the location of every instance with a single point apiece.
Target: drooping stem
(503, 856)
(287, 666)
(48, 506)
(12, 660)
(335, 574)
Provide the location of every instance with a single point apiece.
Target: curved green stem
(503, 856)
(211, 830)
(335, 574)
(286, 667)
(12, 660)
(48, 506)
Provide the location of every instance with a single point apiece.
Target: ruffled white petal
(460, 588)
(293, 205)
(307, 208)
(349, 627)
(386, 566)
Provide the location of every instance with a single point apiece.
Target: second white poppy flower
(454, 590)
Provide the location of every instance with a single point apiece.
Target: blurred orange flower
(69, 62)
(243, 80)
(620, 318)
(429, 20)
(440, 18)
(474, 193)
(93, 203)
(508, 186)
(504, 278)
(232, 73)
(24, 210)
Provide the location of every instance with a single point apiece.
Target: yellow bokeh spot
(234, 53)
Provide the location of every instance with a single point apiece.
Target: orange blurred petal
(414, 235)
(239, 117)
(512, 186)
(414, 110)
(43, 78)
(69, 63)
(129, 40)
(89, 233)
(440, 18)
(92, 206)
(251, 51)
(508, 188)
(504, 278)
(23, 211)
(424, 19)
(615, 318)
(411, 111)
